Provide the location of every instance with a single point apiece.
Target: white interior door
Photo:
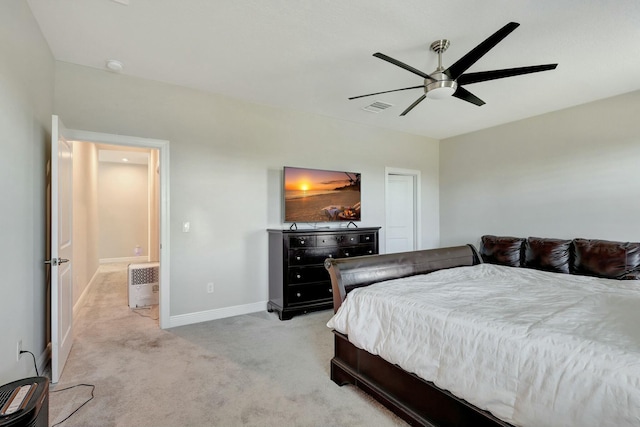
(61, 248)
(401, 211)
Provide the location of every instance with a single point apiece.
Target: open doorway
(116, 220)
(112, 188)
(68, 218)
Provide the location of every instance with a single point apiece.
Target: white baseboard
(80, 301)
(220, 313)
(124, 259)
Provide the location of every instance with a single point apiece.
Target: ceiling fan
(448, 82)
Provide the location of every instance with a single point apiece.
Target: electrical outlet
(210, 287)
(19, 349)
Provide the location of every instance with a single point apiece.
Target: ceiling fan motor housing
(440, 86)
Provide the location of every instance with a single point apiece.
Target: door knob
(56, 261)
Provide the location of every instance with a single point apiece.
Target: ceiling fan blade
(465, 95)
(401, 65)
(483, 76)
(417, 101)
(463, 64)
(387, 91)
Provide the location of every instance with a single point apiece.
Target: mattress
(533, 348)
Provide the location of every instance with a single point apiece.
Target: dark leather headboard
(548, 254)
(351, 273)
(601, 258)
(502, 250)
(606, 259)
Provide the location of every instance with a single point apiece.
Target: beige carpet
(251, 370)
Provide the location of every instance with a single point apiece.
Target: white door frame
(417, 229)
(165, 250)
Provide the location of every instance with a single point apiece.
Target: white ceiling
(120, 156)
(311, 55)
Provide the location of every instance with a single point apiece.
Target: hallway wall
(123, 210)
(85, 216)
(154, 206)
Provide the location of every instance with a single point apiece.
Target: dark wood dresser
(298, 281)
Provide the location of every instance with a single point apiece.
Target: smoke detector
(114, 65)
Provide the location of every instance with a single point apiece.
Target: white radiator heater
(144, 283)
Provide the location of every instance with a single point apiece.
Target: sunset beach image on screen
(315, 195)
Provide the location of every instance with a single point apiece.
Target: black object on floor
(25, 402)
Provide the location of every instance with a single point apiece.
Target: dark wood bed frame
(413, 399)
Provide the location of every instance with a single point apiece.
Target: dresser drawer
(359, 250)
(307, 293)
(307, 274)
(367, 249)
(311, 255)
(302, 241)
(348, 239)
(367, 238)
(327, 240)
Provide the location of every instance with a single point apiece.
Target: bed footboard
(418, 402)
(351, 273)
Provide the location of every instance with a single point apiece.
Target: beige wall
(226, 163)
(572, 173)
(154, 206)
(85, 216)
(26, 105)
(123, 210)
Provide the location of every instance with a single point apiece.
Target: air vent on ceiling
(377, 106)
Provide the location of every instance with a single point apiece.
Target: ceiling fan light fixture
(440, 89)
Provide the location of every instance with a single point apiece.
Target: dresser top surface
(323, 230)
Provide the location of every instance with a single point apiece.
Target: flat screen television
(315, 195)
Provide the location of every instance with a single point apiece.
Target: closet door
(400, 215)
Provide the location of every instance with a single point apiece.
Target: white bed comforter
(534, 348)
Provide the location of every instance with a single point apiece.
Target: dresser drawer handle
(330, 290)
(352, 239)
(298, 258)
(370, 251)
(302, 242)
(298, 295)
(366, 238)
(346, 254)
(330, 255)
(298, 276)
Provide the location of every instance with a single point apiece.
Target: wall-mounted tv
(315, 195)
